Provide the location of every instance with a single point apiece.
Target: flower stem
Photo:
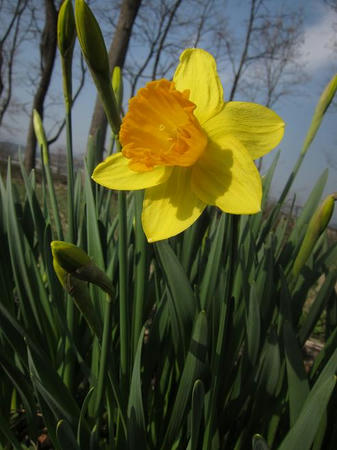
(70, 168)
(140, 269)
(52, 197)
(68, 374)
(123, 297)
(106, 338)
(69, 369)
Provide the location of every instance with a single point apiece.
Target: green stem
(69, 369)
(68, 375)
(70, 188)
(123, 298)
(52, 196)
(106, 339)
(124, 308)
(46, 213)
(140, 257)
(111, 144)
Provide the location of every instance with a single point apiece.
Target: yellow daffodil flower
(188, 148)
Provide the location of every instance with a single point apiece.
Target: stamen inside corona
(160, 128)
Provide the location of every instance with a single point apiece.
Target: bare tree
(279, 71)
(262, 57)
(331, 3)
(10, 41)
(162, 39)
(155, 40)
(156, 33)
(265, 65)
(47, 58)
(175, 25)
(117, 54)
(258, 62)
(254, 6)
(81, 81)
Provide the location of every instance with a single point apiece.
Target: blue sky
(320, 65)
(297, 112)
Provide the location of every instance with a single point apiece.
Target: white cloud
(318, 42)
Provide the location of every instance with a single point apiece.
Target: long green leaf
(198, 396)
(317, 306)
(66, 436)
(193, 369)
(298, 231)
(302, 434)
(81, 429)
(298, 386)
(24, 389)
(253, 326)
(212, 269)
(136, 418)
(7, 433)
(258, 443)
(184, 303)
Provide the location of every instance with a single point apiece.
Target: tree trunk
(47, 51)
(117, 54)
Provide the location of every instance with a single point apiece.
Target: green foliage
(197, 345)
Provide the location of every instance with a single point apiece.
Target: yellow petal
(226, 176)
(258, 128)
(197, 73)
(171, 207)
(114, 173)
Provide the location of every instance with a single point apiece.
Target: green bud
(66, 34)
(324, 213)
(69, 256)
(61, 273)
(91, 39)
(68, 259)
(317, 225)
(322, 105)
(117, 85)
(40, 136)
(66, 30)
(93, 48)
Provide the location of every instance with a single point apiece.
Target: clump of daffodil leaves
(188, 148)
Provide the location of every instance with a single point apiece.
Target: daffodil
(188, 148)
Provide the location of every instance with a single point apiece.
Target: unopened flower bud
(94, 51)
(91, 39)
(70, 259)
(77, 289)
(66, 30)
(69, 256)
(66, 34)
(40, 135)
(117, 85)
(317, 225)
(323, 104)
